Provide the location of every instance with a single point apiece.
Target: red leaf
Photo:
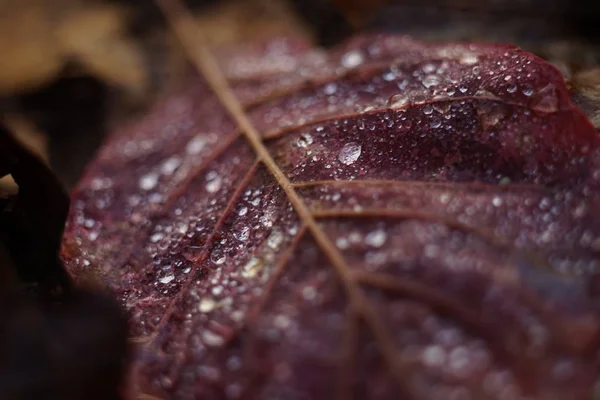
(416, 219)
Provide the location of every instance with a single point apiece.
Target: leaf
(392, 219)
(39, 37)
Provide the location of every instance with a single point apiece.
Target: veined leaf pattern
(390, 219)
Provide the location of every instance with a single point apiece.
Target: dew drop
(527, 91)
(431, 80)
(352, 59)
(156, 237)
(350, 153)
(214, 185)
(330, 89)
(305, 140)
(196, 144)
(167, 279)
(397, 101)
(170, 165)
(511, 88)
(547, 102)
(243, 211)
(435, 122)
(212, 339)
(148, 181)
(376, 238)
(217, 257)
(275, 239)
(469, 59)
(207, 305)
(252, 267)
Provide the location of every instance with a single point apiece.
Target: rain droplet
(217, 257)
(148, 181)
(330, 89)
(305, 140)
(350, 153)
(431, 80)
(275, 239)
(511, 88)
(207, 305)
(243, 211)
(527, 91)
(469, 59)
(170, 165)
(352, 59)
(212, 339)
(167, 279)
(397, 101)
(252, 267)
(376, 238)
(196, 144)
(435, 122)
(156, 237)
(547, 102)
(214, 184)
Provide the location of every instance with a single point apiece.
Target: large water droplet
(350, 153)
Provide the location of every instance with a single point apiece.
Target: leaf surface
(389, 218)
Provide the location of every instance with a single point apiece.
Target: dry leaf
(38, 37)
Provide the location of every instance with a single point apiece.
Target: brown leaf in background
(38, 38)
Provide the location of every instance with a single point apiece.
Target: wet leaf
(391, 218)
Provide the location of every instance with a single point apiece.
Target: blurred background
(73, 69)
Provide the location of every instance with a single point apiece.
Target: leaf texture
(390, 219)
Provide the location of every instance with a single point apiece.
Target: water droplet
(527, 91)
(217, 257)
(170, 165)
(196, 144)
(167, 279)
(148, 181)
(242, 234)
(376, 238)
(352, 59)
(434, 356)
(431, 80)
(156, 237)
(207, 305)
(511, 88)
(435, 122)
(350, 153)
(547, 102)
(463, 89)
(305, 140)
(330, 89)
(397, 101)
(469, 59)
(243, 211)
(212, 339)
(214, 184)
(342, 243)
(497, 201)
(252, 267)
(275, 239)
